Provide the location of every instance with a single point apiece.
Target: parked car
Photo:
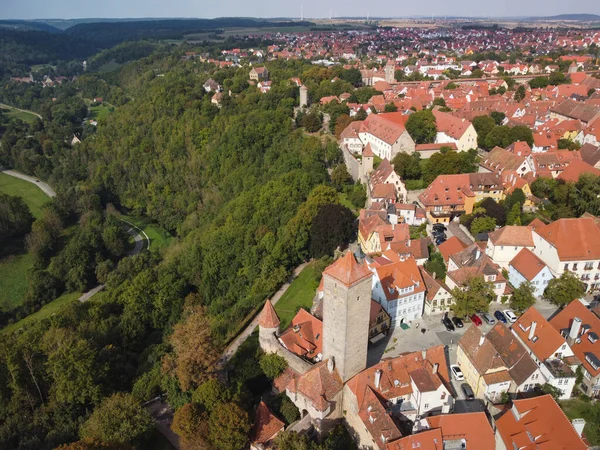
(469, 394)
(439, 234)
(458, 375)
(488, 319)
(440, 240)
(476, 320)
(510, 315)
(447, 323)
(439, 226)
(498, 315)
(457, 321)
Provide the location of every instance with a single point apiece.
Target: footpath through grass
(159, 237)
(33, 195)
(14, 114)
(48, 310)
(300, 294)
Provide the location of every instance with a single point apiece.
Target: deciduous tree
(475, 297)
(522, 297)
(421, 126)
(563, 290)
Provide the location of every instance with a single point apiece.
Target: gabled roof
(399, 275)
(574, 239)
(586, 351)
(266, 425)
(425, 440)
(268, 316)
(450, 247)
(474, 428)
(577, 168)
(512, 235)
(319, 385)
(513, 353)
(590, 154)
(482, 355)
(347, 270)
(304, 337)
(538, 423)
(384, 127)
(453, 126)
(548, 340)
(527, 264)
(377, 419)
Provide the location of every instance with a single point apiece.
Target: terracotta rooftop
(574, 239)
(588, 349)
(378, 421)
(512, 235)
(383, 127)
(319, 385)
(268, 316)
(577, 168)
(266, 425)
(347, 270)
(538, 423)
(514, 355)
(453, 126)
(474, 428)
(450, 247)
(304, 337)
(548, 340)
(527, 264)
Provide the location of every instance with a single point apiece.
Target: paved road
(21, 110)
(43, 186)
(455, 230)
(241, 338)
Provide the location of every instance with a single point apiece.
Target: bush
(272, 365)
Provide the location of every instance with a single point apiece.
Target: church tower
(390, 72)
(346, 308)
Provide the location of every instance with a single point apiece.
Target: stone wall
(352, 164)
(270, 344)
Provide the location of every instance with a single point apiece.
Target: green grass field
(14, 114)
(159, 237)
(300, 294)
(33, 196)
(13, 279)
(48, 310)
(101, 111)
(109, 67)
(580, 409)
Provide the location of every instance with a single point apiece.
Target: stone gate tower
(390, 72)
(346, 308)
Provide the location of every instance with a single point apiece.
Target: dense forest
(240, 187)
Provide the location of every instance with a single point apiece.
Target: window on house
(566, 267)
(575, 266)
(426, 406)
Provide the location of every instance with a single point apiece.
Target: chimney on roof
(481, 340)
(578, 424)
(574, 331)
(477, 254)
(424, 354)
(378, 378)
(532, 330)
(436, 366)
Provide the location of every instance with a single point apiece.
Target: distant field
(33, 196)
(24, 116)
(48, 310)
(300, 294)
(38, 67)
(101, 111)
(159, 237)
(13, 279)
(228, 32)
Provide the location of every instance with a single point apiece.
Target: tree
(547, 388)
(339, 439)
(118, 419)
(522, 297)
(514, 215)
(520, 93)
(422, 127)
(195, 354)
(15, 218)
(498, 117)
(290, 440)
(341, 124)
(340, 177)
(407, 166)
(333, 226)
(190, 423)
(229, 426)
(517, 196)
(475, 297)
(482, 224)
(483, 125)
(390, 107)
(272, 365)
(211, 394)
(563, 290)
(361, 115)
(312, 122)
(352, 76)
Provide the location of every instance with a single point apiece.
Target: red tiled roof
(319, 385)
(548, 339)
(266, 425)
(268, 316)
(540, 423)
(453, 126)
(304, 337)
(474, 428)
(348, 270)
(576, 169)
(450, 247)
(574, 239)
(527, 264)
(512, 235)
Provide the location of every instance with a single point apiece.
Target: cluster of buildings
(408, 401)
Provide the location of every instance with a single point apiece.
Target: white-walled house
(571, 245)
(406, 213)
(505, 243)
(387, 135)
(399, 288)
(527, 267)
(438, 298)
(548, 349)
(452, 129)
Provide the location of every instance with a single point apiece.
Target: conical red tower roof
(348, 270)
(268, 316)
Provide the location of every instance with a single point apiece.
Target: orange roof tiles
(474, 428)
(377, 419)
(304, 337)
(347, 270)
(425, 440)
(574, 239)
(268, 316)
(548, 339)
(538, 423)
(319, 385)
(577, 168)
(450, 247)
(266, 425)
(527, 264)
(384, 127)
(453, 126)
(585, 348)
(400, 275)
(512, 235)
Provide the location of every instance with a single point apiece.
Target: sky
(70, 9)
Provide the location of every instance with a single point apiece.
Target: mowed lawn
(13, 279)
(580, 409)
(300, 294)
(48, 310)
(33, 196)
(159, 237)
(100, 112)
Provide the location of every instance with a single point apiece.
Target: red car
(476, 320)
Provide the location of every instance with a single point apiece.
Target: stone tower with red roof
(268, 327)
(346, 308)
